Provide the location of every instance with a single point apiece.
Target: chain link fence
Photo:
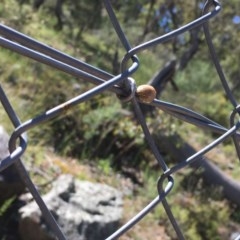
(126, 90)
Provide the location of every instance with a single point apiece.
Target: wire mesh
(125, 89)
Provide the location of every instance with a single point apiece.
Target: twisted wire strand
(222, 77)
(14, 158)
(52, 52)
(143, 212)
(211, 48)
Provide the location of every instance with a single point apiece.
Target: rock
(3, 143)
(10, 181)
(83, 210)
(235, 236)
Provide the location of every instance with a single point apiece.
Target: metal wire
(124, 87)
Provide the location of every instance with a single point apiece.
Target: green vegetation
(103, 132)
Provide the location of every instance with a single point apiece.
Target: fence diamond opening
(125, 89)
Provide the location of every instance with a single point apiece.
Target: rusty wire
(124, 87)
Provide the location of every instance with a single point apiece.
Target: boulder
(3, 143)
(83, 210)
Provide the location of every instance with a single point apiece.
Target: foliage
(202, 92)
(199, 209)
(235, 214)
(201, 219)
(4, 207)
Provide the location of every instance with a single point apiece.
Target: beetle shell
(146, 93)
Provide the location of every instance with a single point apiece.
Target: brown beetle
(146, 93)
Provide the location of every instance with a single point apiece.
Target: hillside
(100, 140)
